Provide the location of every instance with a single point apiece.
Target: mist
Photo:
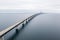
(35, 6)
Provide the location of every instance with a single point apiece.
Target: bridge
(4, 32)
(42, 27)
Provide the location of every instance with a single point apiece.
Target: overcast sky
(41, 5)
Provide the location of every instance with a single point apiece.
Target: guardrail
(4, 32)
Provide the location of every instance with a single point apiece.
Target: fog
(51, 6)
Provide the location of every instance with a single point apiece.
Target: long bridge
(4, 32)
(42, 27)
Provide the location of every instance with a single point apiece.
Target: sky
(35, 5)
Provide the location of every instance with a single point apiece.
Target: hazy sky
(43, 5)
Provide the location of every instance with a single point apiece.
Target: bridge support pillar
(2, 38)
(23, 25)
(17, 30)
(26, 21)
(29, 19)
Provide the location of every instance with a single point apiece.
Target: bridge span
(42, 27)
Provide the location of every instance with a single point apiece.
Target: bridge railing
(4, 32)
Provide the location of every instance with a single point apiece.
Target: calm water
(42, 27)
